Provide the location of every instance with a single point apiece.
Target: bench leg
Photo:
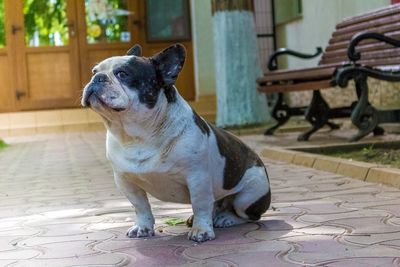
(280, 113)
(378, 131)
(317, 114)
(364, 115)
(332, 125)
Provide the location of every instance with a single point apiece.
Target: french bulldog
(157, 144)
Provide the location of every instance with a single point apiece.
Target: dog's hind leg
(227, 218)
(249, 203)
(255, 197)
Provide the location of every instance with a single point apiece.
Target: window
(287, 10)
(107, 21)
(2, 30)
(45, 22)
(167, 20)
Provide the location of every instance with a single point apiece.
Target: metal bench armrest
(272, 61)
(357, 38)
(346, 73)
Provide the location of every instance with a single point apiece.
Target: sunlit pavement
(59, 207)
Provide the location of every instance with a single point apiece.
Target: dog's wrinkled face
(133, 83)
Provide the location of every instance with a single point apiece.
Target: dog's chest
(139, 159)
(164, 186)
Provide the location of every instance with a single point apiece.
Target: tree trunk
(237, 65)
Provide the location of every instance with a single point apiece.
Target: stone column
(237, 64)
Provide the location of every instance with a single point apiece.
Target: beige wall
(203, 47)
(316, 25)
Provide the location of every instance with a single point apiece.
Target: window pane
(45, 22)
(167, 20)
(287, 10)
(2, 30)
(107, 21)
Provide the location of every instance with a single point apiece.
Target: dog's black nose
(100, 78)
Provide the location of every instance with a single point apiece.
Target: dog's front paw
(137, 231)
(200, 234)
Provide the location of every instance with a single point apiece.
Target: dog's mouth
(86, 99)
(92, 100)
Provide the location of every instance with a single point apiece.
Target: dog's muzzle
(98, 81)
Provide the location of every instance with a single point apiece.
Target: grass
(387, 156)
(175, 221)
(2, 144)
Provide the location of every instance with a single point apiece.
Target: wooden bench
(360, 47)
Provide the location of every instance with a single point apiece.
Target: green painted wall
(202, 32)
(315, 26)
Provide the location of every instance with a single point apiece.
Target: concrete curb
(355, 169)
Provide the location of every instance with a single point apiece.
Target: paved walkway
(59, 207)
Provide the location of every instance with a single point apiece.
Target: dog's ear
(135, 50)
(169, 63)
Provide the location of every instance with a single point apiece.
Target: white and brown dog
(157, 144)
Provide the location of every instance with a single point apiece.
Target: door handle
(15, 29)
(137, 23)
(19, 94)
(71, 28)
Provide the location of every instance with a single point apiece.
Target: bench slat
(389, 53)
(304, 86)
(382, 29)
(339, 51)
(344, 44)
(386, 11)
(366, 25)
(317, 73)
(371, 48)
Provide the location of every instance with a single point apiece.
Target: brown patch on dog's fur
(255, 210)
(239, 157)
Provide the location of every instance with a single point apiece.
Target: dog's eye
(94, 71)
(121, 74)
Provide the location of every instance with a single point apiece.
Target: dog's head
(134, 84)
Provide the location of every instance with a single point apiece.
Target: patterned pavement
(59, 207)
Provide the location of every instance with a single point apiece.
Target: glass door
(46, 58)
(109, 28)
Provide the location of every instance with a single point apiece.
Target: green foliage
(112, 27)
(3, 144)
(175, 221)
(46, 17)
(2, 29)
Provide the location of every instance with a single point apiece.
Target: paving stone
(19, 254)
(43, 240)
(364, 262)
(325, 218)
(371, 239)
(206, 251)
(57, 210)
(319, 249)
(94, 260)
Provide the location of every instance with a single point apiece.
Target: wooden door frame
(20, 51)
(9, 52)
